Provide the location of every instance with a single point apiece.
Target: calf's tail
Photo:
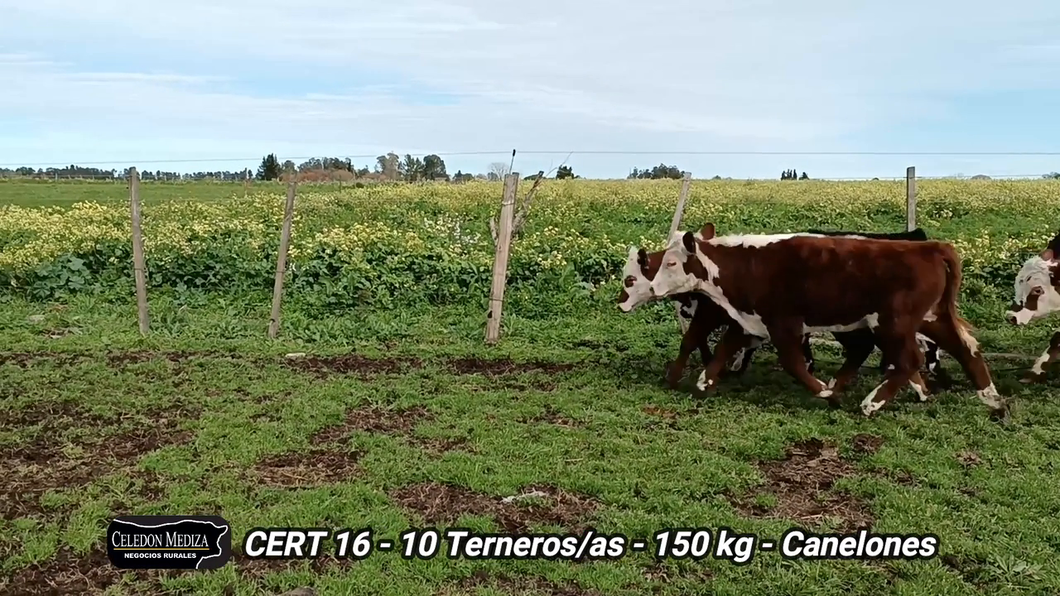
(950, 292)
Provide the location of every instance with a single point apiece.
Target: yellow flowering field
(430, 243)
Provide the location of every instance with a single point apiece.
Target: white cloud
(617, 75)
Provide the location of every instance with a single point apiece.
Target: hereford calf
(703, 317)
(1038, 295)
(779, 287)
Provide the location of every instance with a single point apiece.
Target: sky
(736, 88)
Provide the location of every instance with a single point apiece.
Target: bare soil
(50, 462)
(802, 486)
(68, 573)
(445, 503)
(373, 419)
(866, 443)
(504, 366)
(323, 366)
(317, 467)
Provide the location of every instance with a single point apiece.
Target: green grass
(406, 420)
(179, 423)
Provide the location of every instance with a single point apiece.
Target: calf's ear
(689, 242)
(642, 258)
(1050, 251)
(708, 231)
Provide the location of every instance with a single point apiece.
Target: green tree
(387, 165)
(269, 168)
(410, 168)
(658, 172)
(564, 172)
(434, 168)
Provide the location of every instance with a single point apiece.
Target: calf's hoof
(1033, 377)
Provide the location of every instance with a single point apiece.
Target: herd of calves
(895, 291)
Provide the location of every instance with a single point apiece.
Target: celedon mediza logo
(169, 542)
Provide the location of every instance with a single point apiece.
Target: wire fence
(117, 169)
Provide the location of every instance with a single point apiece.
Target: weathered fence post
(910, 198)
(281, 259)
(500, 259)
(675, 223)
(139, 265)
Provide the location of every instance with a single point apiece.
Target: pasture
(398, 417)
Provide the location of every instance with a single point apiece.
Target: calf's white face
(1035, 295)
(636, 288)
(672, 277)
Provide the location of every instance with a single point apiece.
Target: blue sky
(128, 83)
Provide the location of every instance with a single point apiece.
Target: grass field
(398, 417)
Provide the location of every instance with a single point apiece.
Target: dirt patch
(505, 366)
(322, 366)
(53, 415)
(70, 573)
(537, 505)
(48, 462)
(308, 469)
(373, 419)
(969, 458)
(439, 446)
(801, 485)
(514, 585)
(550, 415)
(27, 359)
(121, 359)
(867, 444)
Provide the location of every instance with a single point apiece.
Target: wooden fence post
(500, 259)
(281, 260)
(675, 223)
(910, 198)
(139, 265)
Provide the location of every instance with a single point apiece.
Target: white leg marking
(919, 391)
(990, 396)
(831, 384)
(737, 359)
(968, 340)
(868, 406)
(1039, 364)
(703, 383)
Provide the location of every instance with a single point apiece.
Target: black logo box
(169, 542)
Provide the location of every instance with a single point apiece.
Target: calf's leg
(904, 359)
(742, 359)
(959, 343)
(807, 353)
(857, 346)
(787, 338)
(938, 374)
(696, 336)
(731, 341)
(1037, 373)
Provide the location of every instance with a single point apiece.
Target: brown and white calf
(703, 317)
(779, 287)
(1038, 295)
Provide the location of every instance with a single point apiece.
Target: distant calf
(703, 317)
(779, 287)
(1038, 295)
